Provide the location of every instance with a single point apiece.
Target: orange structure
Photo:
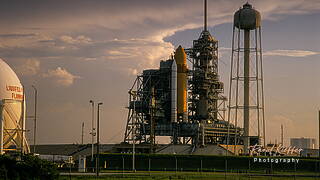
(181, 60)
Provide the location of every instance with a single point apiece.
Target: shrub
(29, 167)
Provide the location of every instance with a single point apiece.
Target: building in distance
(303, 143)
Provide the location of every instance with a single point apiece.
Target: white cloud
(147, 52)
(90, 59)
(77, 40)
(29, 68)
(290, 53)
(61, 76)
(132, 72)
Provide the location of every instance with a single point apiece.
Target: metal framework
(206, 99)
(246, 104)
(150, 100)
(136, 118)
(150, 108)
(13, 139)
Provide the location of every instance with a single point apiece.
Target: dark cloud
(16, 35)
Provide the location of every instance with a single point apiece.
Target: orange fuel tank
(181, 60)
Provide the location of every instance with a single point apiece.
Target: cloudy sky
(77, 50)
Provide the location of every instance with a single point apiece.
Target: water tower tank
(12, 107)
(247, 18)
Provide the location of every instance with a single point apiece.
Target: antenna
(282, 134)
(205, 15)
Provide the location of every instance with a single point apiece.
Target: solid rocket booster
(174, 91)
(181, 60)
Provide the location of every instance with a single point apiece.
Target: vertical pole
(237, 91)
(202, 128)
(133, 133)
(98, 139)
(262, 90)
(205, 15)
(230, 87)
(35, 119)
(249, 168)
(319, 137)
(92, 130)
(82, 130)
(319, 142)
(122, 165)
(23, 125)
(257, 84)
(152, 125)
(246, 101)
(281, 134)
(1, 127)
(97, 154)
(176, 163)
(225, 167)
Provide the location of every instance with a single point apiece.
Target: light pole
(133, 129)
(98, 138)
(35, 118)
(92, 130)
(82, 131)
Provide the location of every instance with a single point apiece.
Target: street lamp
(35, 118)
(134, 117)
(98, 138)
(92, 130)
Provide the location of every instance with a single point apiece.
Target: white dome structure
(12, 111)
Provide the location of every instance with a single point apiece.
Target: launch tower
(186, 104)
(206, 99)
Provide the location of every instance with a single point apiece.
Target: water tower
(12, 112)
(246, 97)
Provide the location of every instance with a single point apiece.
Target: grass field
(188, 176)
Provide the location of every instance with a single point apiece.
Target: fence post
(176, 163)
(295, 169)
(226, 167)
(271, 170)
(249, 165)
(122, 165)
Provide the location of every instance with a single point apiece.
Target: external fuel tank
(181, 60)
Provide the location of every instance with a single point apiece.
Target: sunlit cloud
(61, 76)
(77, 40)
(29, 67)
(290, 53)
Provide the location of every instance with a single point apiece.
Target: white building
(303, 143)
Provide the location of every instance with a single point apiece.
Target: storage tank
(12, 111)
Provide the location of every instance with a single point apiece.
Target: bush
(29, 167)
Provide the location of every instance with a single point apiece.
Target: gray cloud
(16, 35)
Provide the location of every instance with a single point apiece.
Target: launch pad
(187, 103)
